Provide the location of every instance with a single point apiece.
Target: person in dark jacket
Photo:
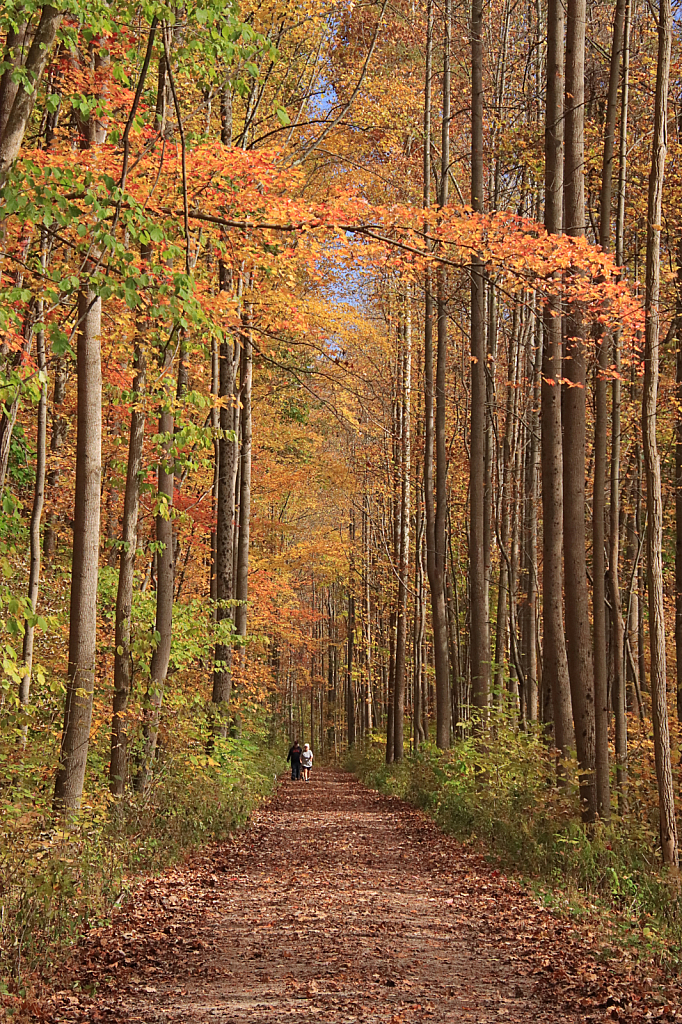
(294, 756)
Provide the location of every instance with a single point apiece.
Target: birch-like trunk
(83, 607)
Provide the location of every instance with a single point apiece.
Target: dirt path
(335, 905)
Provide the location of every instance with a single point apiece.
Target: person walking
(294, 756)
(306, 761)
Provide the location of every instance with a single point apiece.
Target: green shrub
(503, 794)
(57, 879)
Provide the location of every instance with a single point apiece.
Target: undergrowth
(502, 796)
(57, 878)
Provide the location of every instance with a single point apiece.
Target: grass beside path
(526, 824)
(59, 879)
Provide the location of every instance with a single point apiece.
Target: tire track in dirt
(336, 905)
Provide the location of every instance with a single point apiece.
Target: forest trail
(336, 904)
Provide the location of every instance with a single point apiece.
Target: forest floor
(339, 905)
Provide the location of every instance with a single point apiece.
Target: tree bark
(659, 704)
(123, 665)
(480, 636)
(555, 663)
(619, 694)
(24, 100)
(36, 514)
(434, 554)
(578, 633)
(8, 87)
(83, 607)
(404, 556)
(165, 580)
(242, 581)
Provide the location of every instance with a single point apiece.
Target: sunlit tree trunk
(227, 451)
(480, 638)
(555, 664)
(440, 639)
(123, 666)
(27, 90)
(36, 512)
(659, 704)
(165, 579)
(242, 580)
(619, 694)
(578, 632)
(83, 606)
(600, 445)
(404, 555)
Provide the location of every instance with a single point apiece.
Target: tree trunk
(619, 695)
(404, 556)
(350, 689)
(123, 664)
(480, 638)
(659, 704)
(600, 445)
(83, 607)
(36, 515)
(224, 572)
(578, 633)
(555, 663)
(165, 580)
(27, 90)
(242, 581)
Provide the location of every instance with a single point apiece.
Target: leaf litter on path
(340, 905)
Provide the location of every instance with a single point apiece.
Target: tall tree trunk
(165, 585)
(434, 570)
(480, 638)
(619, 695)
(404, 557)
(123, 664)
(36, 513)
(531, 530)
(350, 686)
(242, 581)
(578, 633)
(600, 445)
(226, 451)
(83, 607)
(659, 704)
(555, 663)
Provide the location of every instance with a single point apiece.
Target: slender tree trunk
(83, 608)
(36, 515)
(619, 695)
(350, 686)
(480, 638)
(123, 663)
(531, 532)
(438, 610)
(403, 566)
(659, 704)
(555, 663)
(578, 633)
(600, 445)
(165, 585)
(224, 572)
(242, 581)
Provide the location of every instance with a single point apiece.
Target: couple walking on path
(301, 761)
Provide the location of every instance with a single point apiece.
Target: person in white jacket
(306, 762)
